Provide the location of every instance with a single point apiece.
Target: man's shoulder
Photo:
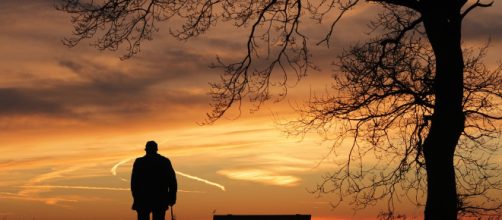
(164, 158)
(153, 158)
(140, 158)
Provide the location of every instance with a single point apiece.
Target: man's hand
(172, 201)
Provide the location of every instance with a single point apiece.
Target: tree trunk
(442, 22)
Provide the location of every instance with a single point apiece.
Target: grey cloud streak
(481, 26)
(98, 87)
(20, 102)
(66, 100)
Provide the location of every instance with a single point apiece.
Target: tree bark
(442, 22)
(443, 27)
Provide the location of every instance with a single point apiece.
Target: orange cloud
(261, 176)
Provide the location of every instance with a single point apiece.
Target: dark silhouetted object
(153, 184)
(261, 217)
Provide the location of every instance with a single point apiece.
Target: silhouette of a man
(153, 184)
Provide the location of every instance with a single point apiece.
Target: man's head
(151, 147)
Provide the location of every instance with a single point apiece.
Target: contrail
(114, 168)
(75, 187)
(89, 187)
(201, 180)
(114, 172)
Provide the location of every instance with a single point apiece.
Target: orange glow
(72, 121)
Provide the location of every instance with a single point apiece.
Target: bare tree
(382, 111)
(411, 82)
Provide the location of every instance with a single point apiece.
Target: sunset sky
(72, 121)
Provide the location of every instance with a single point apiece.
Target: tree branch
(475, 5)
(411, 4)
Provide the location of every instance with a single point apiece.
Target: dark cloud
(20, 102)
(184, 62)
(100, 90)
(75, 100)
(102, 79)
(483, 26)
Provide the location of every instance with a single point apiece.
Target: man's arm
(173, 185)
(134, 179)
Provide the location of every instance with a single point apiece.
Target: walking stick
(172, 215)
